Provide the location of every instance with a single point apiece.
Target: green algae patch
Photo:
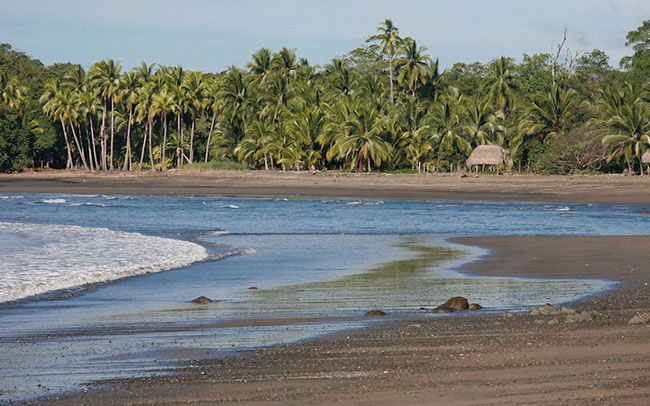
(402, 283)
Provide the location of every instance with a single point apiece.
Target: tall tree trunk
(102, 136)
(92, 137)
(91, 164)
(360, 159)
(191, 159)
(144, 145)
(207, 146)
(69, 163)
(163, 159)
(112, 130)
(266, 162)
(153, 165)
(127, 158)
(79, 147)
(640, 165)
(390, 73)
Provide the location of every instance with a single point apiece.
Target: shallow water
(308, 258)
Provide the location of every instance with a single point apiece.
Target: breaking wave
(39, 258)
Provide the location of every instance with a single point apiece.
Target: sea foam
(58, 257)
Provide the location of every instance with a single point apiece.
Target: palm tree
(163, 103)
(62, 103)
(90, 104)
(255, 144)
(389, 42)
(362, 138)
(213, 102)
(194, 97)
(105, 76)
(413, 65)
(178, 146)
(629, 133)
(10, 92)
(261, 65)
(146, 111)
(448, 123)
(285, 62)
(233, 95)
(482, 122)
(130, 84)
(549, 114)
(501, 84)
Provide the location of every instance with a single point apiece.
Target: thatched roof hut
(645, 158)
(489, 155)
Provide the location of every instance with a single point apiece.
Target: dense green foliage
(383, 106)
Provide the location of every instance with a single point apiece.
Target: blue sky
(210, 35)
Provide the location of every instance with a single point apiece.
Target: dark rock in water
(373, 313)
(456, 303)
(474, 306)
(444, 309)
(202, 300)
(253, 288)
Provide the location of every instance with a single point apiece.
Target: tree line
(383, 106)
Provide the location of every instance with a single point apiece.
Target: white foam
(89, 204)
(63, 257)
(219, 232)
(229, 206)
(53, 201)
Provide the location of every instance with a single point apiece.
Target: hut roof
(489, 155)
(645, 158)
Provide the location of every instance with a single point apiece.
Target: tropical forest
(386, 106)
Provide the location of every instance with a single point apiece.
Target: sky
(211, 35)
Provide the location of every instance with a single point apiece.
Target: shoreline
(469, 358)
(605, 189)
(460, 360)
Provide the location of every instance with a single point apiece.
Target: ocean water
(95, 287)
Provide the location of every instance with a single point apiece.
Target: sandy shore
(612, 189)
(417, 359)
(472, 359)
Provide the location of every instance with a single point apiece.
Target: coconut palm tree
(549, 114)
(255, 144)
(501, 83)
(285, 62)
(276, 95)
(212, 102)
(62, 104)
(90, 104)
(389, 43)
(195, 89)
(448, 123)
(130, 84)
(146, 111)
(261, 65)
(362, 139)
(413, 65)
(483, 122)
(163, 103)
(105, 76)
(629, 133)
(10, 92)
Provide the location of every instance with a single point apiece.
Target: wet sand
(416, 359)
(611, 189)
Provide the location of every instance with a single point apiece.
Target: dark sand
(612, 189)
(472, 359)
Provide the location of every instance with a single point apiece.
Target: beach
(466, 359)
(607, 189)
